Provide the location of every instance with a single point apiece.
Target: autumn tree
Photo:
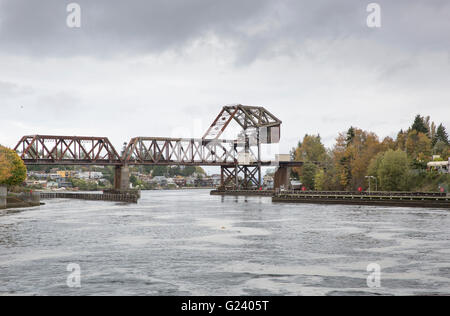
(393, 171)
(441, 149)
(309, 171)
(433, 131)
(418, 145)
(358, 153)
(400, 142)
(311, 150)
(319, 180)
(352, 154)
(13, 170)
(388, 143)
(375, 164)
(5, 167)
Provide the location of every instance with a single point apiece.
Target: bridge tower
(258, 126)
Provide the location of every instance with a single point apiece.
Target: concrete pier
(24, 199)
(3, 195)
(122, 178)
(282, 177)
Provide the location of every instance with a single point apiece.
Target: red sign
(360, 189)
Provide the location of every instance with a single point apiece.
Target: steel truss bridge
(239, 159)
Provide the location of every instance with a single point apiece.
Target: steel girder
(246, 116)
(240, 177)
(47, 150)
(180, 151)
(74, 150)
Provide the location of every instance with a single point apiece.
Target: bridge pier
(282, 177)
(3, 197)
(240, 177)
(122, 178)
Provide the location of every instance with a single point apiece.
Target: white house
(88, 175)
(441, 166)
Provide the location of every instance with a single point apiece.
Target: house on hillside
(440, 166)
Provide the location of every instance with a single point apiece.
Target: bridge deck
(74, 150)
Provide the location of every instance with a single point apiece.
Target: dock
(111, 197)
(243, 192)
(395, 199)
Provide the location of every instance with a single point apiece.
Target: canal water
(190, 243)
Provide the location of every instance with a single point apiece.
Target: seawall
(24, 199)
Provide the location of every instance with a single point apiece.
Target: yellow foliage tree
(5, 167)
(12, 170)
(418, 145)
(352, 155)
(310, 149)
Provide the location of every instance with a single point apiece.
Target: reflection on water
(191, 243)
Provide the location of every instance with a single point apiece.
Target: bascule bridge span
(239, 159)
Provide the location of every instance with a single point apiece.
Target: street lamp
(376, 182)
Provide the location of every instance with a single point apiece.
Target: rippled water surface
(191, 243)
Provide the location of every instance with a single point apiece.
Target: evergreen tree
(419, 125)
(350, 135)
(441, 135)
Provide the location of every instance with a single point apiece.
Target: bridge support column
(282, 178)
(3, 197)
(240, 177)
(122, 178)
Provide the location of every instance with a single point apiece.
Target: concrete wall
(281, 177)
(33, 199)
(122, 178)
(3, 194)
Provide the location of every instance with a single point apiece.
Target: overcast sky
(166, 67)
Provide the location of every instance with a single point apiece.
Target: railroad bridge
(239, 159)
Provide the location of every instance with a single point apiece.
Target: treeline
(392, 164)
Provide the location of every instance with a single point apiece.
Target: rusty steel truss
(238, 176)
(180, 151)
(240, 165)
(67, 150)
(248, 117)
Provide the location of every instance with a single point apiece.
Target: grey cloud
(116, 26)
(140, 27)
(52, 109)
(10, 89)
(59, 105)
